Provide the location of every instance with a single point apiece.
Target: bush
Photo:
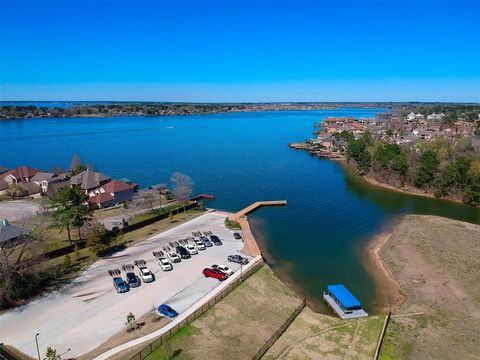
(232, 224)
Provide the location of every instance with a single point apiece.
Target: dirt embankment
(436, 263)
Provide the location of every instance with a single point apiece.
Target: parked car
(120, 285)
(206, 241)
(184, 254)
(237, 259)
(214, 273)
(167, 311)
(199, 244)
(146, 275)
(237, 236)
(191, 249)
(224, 269)
(133, 280)
(216, 240)
(165, 264)
(173, 257)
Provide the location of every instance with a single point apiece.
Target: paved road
(89, 311)
(17, 209)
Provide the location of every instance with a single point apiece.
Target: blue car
(167, 311)
(120, 285)
(206, 241)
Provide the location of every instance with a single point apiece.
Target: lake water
(241, 158)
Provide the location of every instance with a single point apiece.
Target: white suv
(173, 257)
(146, 275)
(165, 264)
(199, 245)
(191, 249)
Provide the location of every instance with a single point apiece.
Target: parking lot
(86, 313)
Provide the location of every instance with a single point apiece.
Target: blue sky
(240, 51)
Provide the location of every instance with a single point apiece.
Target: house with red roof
(112, 193)
(19, 174)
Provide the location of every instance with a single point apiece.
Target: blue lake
(241, 158)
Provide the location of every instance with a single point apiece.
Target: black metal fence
(268, 344)
(148, 349)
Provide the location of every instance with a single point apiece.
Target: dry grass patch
(237, 326)
(437, 262)
(318, 336)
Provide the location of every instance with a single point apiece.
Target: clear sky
(240, 51)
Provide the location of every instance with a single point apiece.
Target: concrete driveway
(17, 209)
(87, 312)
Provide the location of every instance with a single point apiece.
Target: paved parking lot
(86, 313)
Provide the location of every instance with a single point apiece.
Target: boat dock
(241, 218)
(343, 302)
(255, 206)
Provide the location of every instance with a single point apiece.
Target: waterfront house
(89, 180)
(44, 180)
(112, 193)
(19, 174)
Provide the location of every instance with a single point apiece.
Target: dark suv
(184, 254)
(216, 240)
(133, 280)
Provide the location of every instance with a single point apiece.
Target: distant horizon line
(241, 102)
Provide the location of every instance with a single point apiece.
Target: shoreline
(406, 190)
(388, 290)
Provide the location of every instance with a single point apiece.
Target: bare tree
(18, 257)
(160, 190)
(76, 162)
(182, 188)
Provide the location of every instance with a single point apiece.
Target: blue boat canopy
(345, 297)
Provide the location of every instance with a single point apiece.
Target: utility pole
(36, 342)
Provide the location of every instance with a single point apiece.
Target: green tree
(70, 209)
(51, 354)
(426, 171)
(98, 237)
(462, 167)
(358, 151)
(131, 321)
(471, 192)
(400, 163)
(67, 262)
(367, 138)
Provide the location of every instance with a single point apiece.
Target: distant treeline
(147, 109)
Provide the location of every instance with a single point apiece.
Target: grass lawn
(237, 326)
(318, 336)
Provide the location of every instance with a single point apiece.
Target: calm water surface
(241, 158)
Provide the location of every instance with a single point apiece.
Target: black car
(237, 259)
(184, 254)
(216, 240)
(237, 236)
(133, 280)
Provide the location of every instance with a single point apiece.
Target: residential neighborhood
(394, 128)
(103, 191)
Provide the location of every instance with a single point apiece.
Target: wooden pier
(241, 218)
(255, 206)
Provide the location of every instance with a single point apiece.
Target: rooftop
(344, 296)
